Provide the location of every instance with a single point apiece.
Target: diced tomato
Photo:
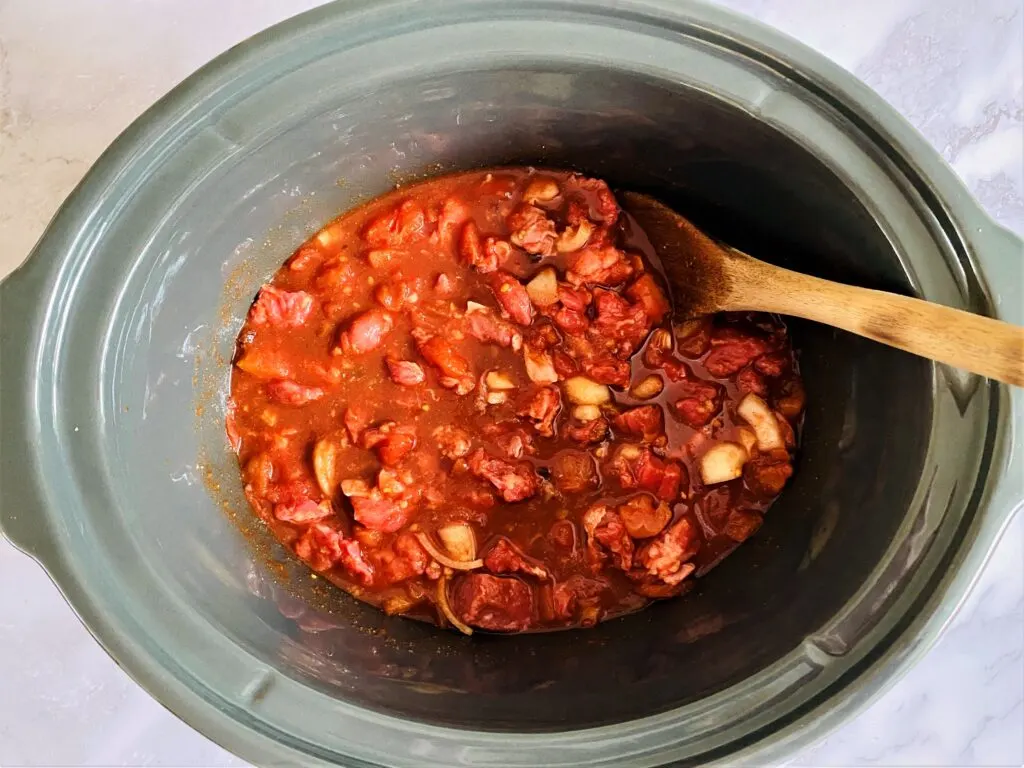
(392, 443)
(645, 291)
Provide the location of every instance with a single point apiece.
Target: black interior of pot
(863, 442)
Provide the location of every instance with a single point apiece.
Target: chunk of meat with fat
(604, 527)
(542, 407)
(289, 392)
(599, 265)
(512, 297)
(505, 557)
(391, 442)
(667, 557)
(496, 603)
(452, 442)
(767, 474)
(471, 248)
(608, 370)
(588, 433)
(514, 482)
(742, 524)
(281, 309)
(404, 559)
(405, 372)
(454, 368)
(637, 467)
(365, 333)
(302, 510)
(323, 547)
(574, 592)
(732, 352)
(397, 227)
(700, 402)
(617, 320)
(485, 326)
(605, 208)
(532, 230)
(378, 512)
(646, 421)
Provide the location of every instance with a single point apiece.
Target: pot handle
(1000, 254)
(22, 504)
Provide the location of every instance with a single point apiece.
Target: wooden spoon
(707, 277)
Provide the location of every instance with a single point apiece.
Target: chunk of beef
(454, 213)
(365, 333)
(281, 309)
(303, 510)
(604, 208)
(391, 442)
(454, 368)
(514, 482)
(621, 322)
(694, 337)
(749, 380)
(496, 603)
(397, 227)
(576, 591)
(291, 393)
(542, 407)
(589, 432)
(532, 230)
(731, 351)
(452, 442)
(742, 524)
(405, 372)
(379, 512)
(404, 559)
(485, 326)
(606, 531)
(505, 557)
(666, 558)
(598, 265)
(766, 474)
(646, 421)
(323, 547)
(471, 248)
(608, 370)
(700, 401)
(512, 296)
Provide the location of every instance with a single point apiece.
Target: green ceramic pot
(118, 328)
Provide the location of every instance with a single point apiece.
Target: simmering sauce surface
(466, 402)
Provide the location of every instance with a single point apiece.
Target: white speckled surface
(74, 74)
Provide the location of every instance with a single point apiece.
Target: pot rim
(44, 273)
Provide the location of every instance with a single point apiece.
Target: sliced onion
(755, 411)
(325, 466)
(446, 608)
(444, 559)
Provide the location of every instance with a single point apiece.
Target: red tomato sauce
(466, 402)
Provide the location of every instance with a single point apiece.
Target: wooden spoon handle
(975, 343)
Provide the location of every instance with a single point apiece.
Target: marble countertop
(73, 75)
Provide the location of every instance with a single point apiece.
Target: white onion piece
(746, 438)
(459, 540)
(755, 411)
(443, 559)
(722, 462)
(539, 366)
(543, 288)
(446, 608)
